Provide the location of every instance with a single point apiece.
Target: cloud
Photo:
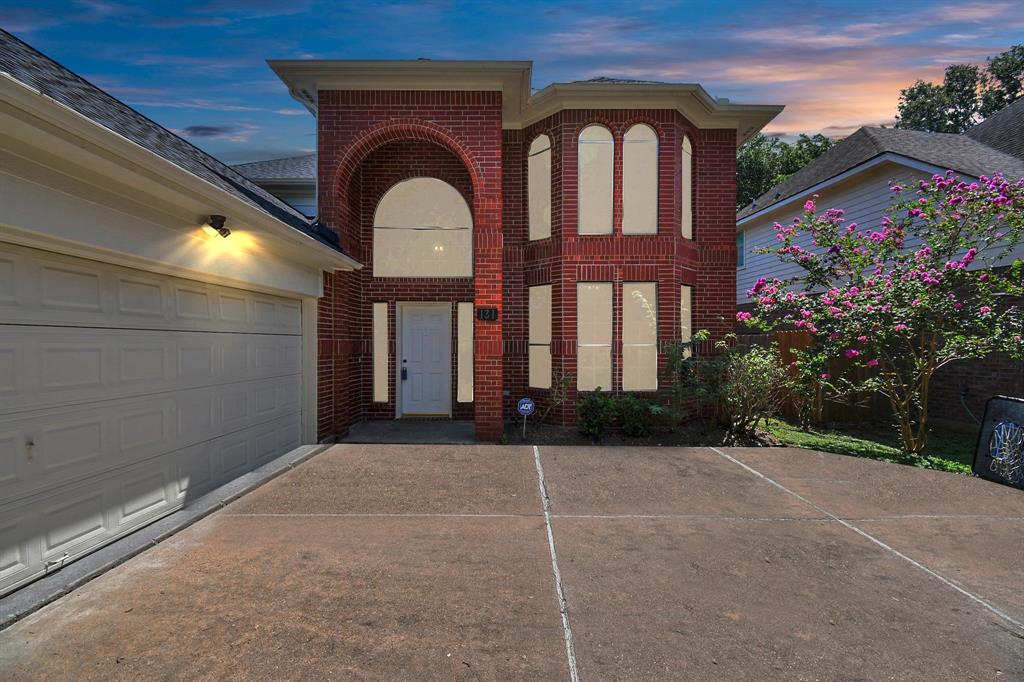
(231, 133)
(208, 131)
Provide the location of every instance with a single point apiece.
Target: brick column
(715, 231)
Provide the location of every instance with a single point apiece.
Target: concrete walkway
(440, 563)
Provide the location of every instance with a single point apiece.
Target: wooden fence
(868, 407)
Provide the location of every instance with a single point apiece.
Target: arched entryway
(406, 206)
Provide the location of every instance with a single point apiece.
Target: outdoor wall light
(215, 226)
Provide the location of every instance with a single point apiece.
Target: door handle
(405, 372)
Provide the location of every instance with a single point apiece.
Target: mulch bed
(693, 433)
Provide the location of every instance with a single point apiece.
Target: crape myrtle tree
(907, 298)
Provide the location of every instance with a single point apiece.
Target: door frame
(400, 308)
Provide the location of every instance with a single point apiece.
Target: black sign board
(487, 314)
(1000, 453)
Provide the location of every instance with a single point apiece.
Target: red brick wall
(370, 140)
(666, 258)
(366, 142)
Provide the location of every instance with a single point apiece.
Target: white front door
(425, 363)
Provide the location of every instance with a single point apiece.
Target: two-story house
(509, 239)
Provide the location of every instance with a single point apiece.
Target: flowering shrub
(905, 298)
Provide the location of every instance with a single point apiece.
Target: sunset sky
(198, 67)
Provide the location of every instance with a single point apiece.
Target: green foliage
(902, 301)
(752, 387)
(952, 451)
(763, 162)
(967, 94)
(736, 387)
(638, 416)
(595, 414)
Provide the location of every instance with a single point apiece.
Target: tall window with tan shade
(540, 337)
(539, 180)
(381, 357)
(422, 228)
(640, 180)
(594, 336)
(596, 172)
(639, 336)
(464, 322)
(686, 314)
(686, 178)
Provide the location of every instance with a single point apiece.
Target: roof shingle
(36, 70)
(291, 169)
(959, 153)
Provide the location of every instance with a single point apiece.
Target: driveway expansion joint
(892, 550)
(563, 604)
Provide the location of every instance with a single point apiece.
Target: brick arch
(381, 134)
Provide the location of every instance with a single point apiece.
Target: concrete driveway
(439, 563)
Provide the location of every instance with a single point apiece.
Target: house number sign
(487, 314)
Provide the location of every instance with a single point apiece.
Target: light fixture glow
(215, 226)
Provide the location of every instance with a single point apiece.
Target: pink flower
(826, 376)
(809, 206)
(901, 327)
(984, 310)
(743, 316)
(872, 363)
(1016, 338)
(852, 353)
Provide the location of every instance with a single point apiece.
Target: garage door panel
(94, 439)
(44, 367)
(88, 513)
(124, 394)
(47, 288)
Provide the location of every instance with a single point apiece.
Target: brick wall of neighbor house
(370, 140)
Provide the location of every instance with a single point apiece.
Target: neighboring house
(291, 179)
(142, 362)
(509, 238)
(855, 175)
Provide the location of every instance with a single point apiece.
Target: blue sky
(197, 66)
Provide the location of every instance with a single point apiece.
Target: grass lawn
(947, 450)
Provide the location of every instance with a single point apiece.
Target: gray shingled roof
(38, 71)
(1003, 130)
(945, 150)
(291, 169)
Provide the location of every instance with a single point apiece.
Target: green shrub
(736, 387)
(753, 386)
(595, 413)
(638, 416)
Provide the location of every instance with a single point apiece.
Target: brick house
(508, 238)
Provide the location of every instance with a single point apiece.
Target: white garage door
(123, 394)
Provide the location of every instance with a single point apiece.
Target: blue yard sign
(526, 406)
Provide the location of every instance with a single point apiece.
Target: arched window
(687, 188)
(596, 169)
(422, 228)
(640, 180)
(539, 180)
